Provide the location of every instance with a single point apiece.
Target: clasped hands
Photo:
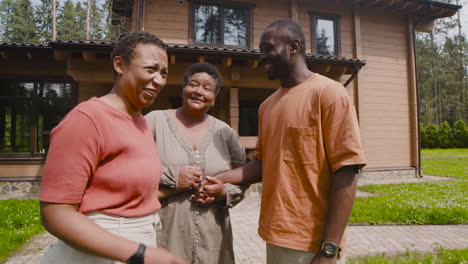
(207, 190)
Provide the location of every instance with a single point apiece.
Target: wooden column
(234, 109)
(294, 10)
(357, 54)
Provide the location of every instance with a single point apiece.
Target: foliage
(442, 63)
(19, 222)
(440, 256)
(17, 19)
(43, 16)
(445, 162)
(22, 22)
(443, 136)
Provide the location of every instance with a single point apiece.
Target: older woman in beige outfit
(192, 143)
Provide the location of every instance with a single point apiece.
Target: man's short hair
(292, 30)
(207, 68)
(128, 41)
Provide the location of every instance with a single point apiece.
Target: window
(221, 24)
(28, 112)
(325, 37)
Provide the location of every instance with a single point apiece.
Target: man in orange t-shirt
(307, 156)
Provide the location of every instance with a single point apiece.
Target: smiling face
(275, 54)
(198, 95)
(142, 77)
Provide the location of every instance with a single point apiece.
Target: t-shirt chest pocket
(299, 145)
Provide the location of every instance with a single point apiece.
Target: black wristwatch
(139, 256)
(329, 249)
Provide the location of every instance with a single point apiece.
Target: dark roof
(442, 4)
(23, 45)
(200, 50)
(418, 8)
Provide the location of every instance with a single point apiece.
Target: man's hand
(319, 259)
(189, 177)
(161, 256)
(211, 190)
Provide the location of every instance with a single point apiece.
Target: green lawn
(441, 202)
(19, 221)
(441, 256)
(445, 162)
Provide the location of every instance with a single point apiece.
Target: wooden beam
(234, 109)
(62, 55)
(201, 59)
(357, 39)
(29, 55)
(88, 56)
(227, 62)
(294, 10)
(4, 55)
(173, 59)
(235, 74)
(253, 64)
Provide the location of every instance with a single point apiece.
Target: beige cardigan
(198, 234)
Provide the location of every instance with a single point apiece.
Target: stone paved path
(250, 249)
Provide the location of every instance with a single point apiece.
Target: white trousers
(140, 229)
(281, 255)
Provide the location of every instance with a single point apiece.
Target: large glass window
(222, 25)
(28, 112)
(325, 34)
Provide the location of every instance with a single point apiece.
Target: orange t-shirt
(305, 134)
(104, 160)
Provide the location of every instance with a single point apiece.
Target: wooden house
(368, 45)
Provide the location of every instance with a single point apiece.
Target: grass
(441, 256)
(441, 202)
(20, 220)
(445, 162)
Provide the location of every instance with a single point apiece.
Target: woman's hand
(211, 190)
(189, 177)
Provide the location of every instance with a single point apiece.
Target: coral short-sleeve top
(104, 160)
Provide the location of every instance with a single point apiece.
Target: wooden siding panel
(167, 20)
(384, 84)
(19, 170)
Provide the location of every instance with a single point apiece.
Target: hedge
(444, 136)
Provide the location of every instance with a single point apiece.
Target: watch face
(329, 249)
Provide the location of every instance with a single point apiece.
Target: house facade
(368, 45)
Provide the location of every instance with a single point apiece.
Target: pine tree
(80, 13)
(67, 27)
(7, 10)
(43, 17)
(19, 21)
(97, 25)
(107, 13)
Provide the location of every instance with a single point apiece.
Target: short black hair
(207, 68)
(292, 30)
(128, 41)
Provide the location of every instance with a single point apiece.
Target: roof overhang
(417, 8)
(333, 64)
(231, 56)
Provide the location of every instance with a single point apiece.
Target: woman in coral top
(100, 183)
